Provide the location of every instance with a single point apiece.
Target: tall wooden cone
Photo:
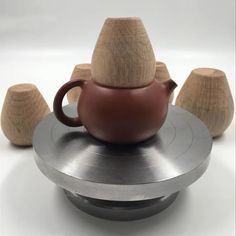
(206, 94)
(23, 108)
(162, 75)
(81, 71)
(123, 56)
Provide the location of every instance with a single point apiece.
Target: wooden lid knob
(123, 55)
(23, 108)
(206, 94)
(81, 71)
(162, 73)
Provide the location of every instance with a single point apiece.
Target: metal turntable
(123, 182)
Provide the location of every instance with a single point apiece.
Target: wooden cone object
(23, 108)
(162, 75)
(123, 56)
(81, 71)
(206, 94)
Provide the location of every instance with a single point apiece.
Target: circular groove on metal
(162, 165)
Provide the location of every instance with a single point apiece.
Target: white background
(41, 41)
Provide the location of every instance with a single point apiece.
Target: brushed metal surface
(168, 162)
(121, 210)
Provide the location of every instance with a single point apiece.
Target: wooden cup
(162, 75)
(81, 71)
(206, 94)
(23, 108)
(123, 56)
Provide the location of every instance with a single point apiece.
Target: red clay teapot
(122, 103)
(117, 115)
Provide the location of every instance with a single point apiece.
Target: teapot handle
(57, 104)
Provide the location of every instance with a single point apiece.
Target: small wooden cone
(123, 56)
(23, 108)
(81, 71)
(206, 94)
(162, 75)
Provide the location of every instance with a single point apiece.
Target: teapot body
(123, 115)
(122, 103)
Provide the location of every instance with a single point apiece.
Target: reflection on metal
(90, 169)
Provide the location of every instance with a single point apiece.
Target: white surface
(41, 41)
(31, 205)
(182, 24)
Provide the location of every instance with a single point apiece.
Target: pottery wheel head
(181, 146)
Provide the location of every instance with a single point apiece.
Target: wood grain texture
(123, 55)
(206, 94)
(23, 108)
(81, 71)
(162, 75)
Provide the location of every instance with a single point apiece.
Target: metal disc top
(166, 163)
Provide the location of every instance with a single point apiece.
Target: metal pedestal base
(121, 210)
(123, 182)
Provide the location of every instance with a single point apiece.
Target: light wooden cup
(162, 75)
(23, 108)
(206, 94)
(81, 71)
(123, 56)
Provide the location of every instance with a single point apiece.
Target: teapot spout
(169, 86)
